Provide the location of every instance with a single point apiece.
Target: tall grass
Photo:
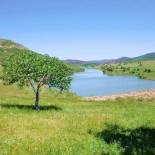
(66, 124)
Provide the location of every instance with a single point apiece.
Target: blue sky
(81, 29)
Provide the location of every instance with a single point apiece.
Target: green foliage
(8, 47)
(107, 68)
(147, 70)
(142, 69)
(22, 67)
(7, 52)
(32, 69)
(76, 68)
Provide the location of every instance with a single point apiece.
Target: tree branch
(41, 82)
(32, 85)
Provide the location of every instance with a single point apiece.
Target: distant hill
(76, 62)
(97, 62)
(108, 61)
(8, 47)
(148, 56)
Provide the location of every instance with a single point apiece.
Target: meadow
(68, 125)
(141, 69)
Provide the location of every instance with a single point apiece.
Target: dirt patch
(138, 94)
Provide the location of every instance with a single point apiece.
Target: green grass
(143, 69)
(69, 125)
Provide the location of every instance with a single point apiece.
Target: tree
(36, 70)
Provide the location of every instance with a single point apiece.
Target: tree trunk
(61, 89)
(37, 100)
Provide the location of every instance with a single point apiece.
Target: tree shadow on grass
(139, 141)
(31, 107)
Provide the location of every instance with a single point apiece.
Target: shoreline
(135, 94)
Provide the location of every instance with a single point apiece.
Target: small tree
(36, 70)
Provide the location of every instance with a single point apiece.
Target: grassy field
(68, 125)
(142, 69)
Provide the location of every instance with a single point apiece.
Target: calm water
(93, 82)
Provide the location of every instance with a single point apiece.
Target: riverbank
(141, 69)
(136, 94)
(93, 82)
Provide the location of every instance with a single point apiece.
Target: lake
(93, 82)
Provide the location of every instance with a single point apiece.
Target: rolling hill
(9, 47)
(4, 43)
(148, 56)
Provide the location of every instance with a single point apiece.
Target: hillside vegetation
(76, 68)
(10, 44)
(8, 47)
(141, 69)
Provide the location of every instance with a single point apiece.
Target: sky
(81, 29)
